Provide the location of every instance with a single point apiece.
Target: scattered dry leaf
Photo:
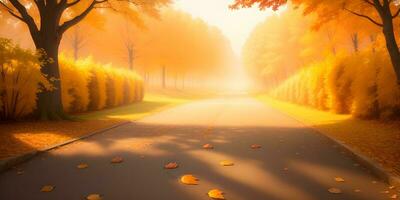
(374, 182)
(189, 180)
(82, 166)
(339, 179)
(171, 165)
(47, 188)
(335, 190)
(392, 187)
(93, 197)
(226, 163)
(385, 192)
(286, 169)
(357, 190)
(216, 194)
(393, 196)
(20, 172)
(255, 146)
(208, 146)
(117, 159)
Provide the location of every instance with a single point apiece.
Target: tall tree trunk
(49, 102)
(391, 44)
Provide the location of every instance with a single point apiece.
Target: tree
(379, 12)
(47, 21)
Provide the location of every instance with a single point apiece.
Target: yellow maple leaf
(216, 194)
(47, 188)
(335, 190)
(94, 197)
(189, 180)
(226, 163)
(82, 166)
(339, 179)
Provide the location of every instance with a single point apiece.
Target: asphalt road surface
(294, 162)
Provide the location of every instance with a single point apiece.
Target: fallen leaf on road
(208, 146)
(392, 187)
(357, 190)
(339, 179)
(335, 190)
(171, 165)
(82, 166)
(393, 196)
(255, 146)
(286, 169)
(189, 180)
(47, 188)
(216, 194)
(385, 192)
(226, 163)
(93, 197)
(20, 172)
(117, 160)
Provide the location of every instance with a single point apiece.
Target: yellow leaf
(93, 197)
(255, 146)
(216, 194)
(339, 179)
(335, 190)
(171, 165)
(392, 187)
(117, 159)
(208, 146)
(189, 180)
(226, 163)
(393, 196)
(47, 188)
(82, 166)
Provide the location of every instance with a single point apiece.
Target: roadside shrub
(85, 85)
(362, 84)
(20, 81)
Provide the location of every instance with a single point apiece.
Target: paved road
(294, 162)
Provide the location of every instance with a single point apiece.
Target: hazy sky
(235, 24)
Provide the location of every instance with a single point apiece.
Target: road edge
(9, 163)
(372, 166)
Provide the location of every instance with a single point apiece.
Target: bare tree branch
(68, 24)
(364, 16)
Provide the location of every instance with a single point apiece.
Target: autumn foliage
(339, 67)
(86, 85)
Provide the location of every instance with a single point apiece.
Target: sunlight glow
(235, 24)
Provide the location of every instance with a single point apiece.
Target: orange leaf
(208, 146)
(226, 163)
(82, 166)
(255, 146)
(216, 194)
(339, 179)
(171, 165)
(335, 190)
(47, 188)
(189, 180)
(117, 159)
(94, 197)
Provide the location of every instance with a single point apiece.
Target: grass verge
(17, 138)
(377, 140)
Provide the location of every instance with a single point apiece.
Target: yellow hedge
(85, 85)
(19, 81)
(362, 84)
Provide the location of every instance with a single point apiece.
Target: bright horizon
(236, 25)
